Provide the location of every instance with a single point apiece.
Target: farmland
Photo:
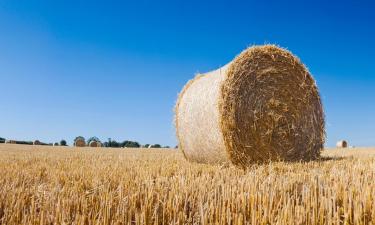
(63, 185)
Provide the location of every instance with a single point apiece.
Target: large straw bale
(262, 106)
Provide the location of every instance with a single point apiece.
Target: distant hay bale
(80, 143)
(37, 142)
(95, 144)
(342, 144)
(262, 106)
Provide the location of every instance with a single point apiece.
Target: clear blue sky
(114, 68)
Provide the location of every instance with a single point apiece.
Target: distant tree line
(109, 144)
(62, 142)
(124, 144)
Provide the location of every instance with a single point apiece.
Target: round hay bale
(37, 142)
(80, 143)
(95, 144)
(262, 106)
(342, 144)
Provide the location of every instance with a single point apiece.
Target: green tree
(112, 144)
(130, 144)
(115, 144)
(63, 143)
(2, 140)
(156, 146)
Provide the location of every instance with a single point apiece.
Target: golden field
(63, 185)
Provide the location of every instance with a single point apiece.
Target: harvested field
(62, 185)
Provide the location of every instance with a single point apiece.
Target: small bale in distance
(80, 143)
(342, 144)
(95, 144)
(262, 106)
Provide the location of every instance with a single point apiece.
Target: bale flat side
(197, 119)
(270, 108)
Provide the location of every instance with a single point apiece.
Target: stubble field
(62, 185)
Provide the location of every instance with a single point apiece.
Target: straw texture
(262, 106)
(94, 144)
(197, 121)
(80, 143)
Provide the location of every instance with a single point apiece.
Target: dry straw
(342, 144)
(94, 144)
(262, 106)
(80, 143)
